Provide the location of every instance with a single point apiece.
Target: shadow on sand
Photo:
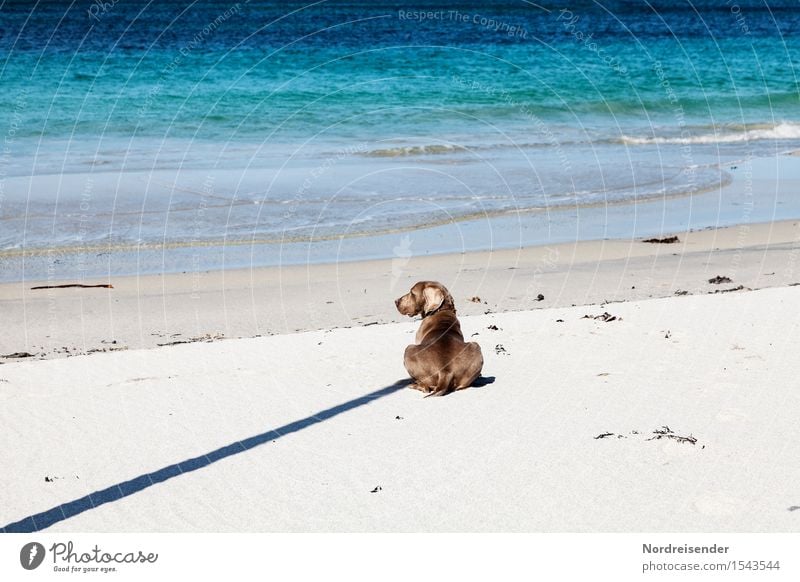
(47, 518)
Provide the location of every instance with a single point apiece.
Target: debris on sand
(377, 488)
(18, 355)
(540, 297)
(475, 299)
(666, 432)
(499, 349)
(680, 292)
(609, 434)
(719, 279)
(607, 317)
(203, 338)
(731, 290)
(493, 328)
(102, 350)
(662, 241)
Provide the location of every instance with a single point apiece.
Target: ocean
(129, 126)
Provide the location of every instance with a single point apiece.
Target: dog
(441, 361)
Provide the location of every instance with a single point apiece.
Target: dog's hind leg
(473, 369)
(416, 370)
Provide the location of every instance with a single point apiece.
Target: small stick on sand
(664, 241)
(104, 286)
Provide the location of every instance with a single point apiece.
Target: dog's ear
(434, 297)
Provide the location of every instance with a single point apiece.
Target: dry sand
(677, 414)
(318, 446)
(146, 311)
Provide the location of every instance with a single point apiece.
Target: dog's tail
(444, 385)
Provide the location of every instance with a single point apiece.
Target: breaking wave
(727, 134)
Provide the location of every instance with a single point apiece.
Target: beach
(668, 408)
(151, 310)
(675, 416)
(207, 213)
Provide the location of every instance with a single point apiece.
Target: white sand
(519, 454)
(145, 311)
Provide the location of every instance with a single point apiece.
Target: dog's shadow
(482, 381)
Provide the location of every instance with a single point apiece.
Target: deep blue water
(136, 123)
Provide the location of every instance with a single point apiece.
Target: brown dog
(441, 361)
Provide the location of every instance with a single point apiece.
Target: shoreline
(726, 180)
(761, 190)
(149, 311)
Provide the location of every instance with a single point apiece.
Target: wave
(707, 134)
(729, 134)
(443, 149)
(415, 150)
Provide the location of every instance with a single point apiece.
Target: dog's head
(425, 298)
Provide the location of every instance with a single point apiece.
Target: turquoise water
(128, 124)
